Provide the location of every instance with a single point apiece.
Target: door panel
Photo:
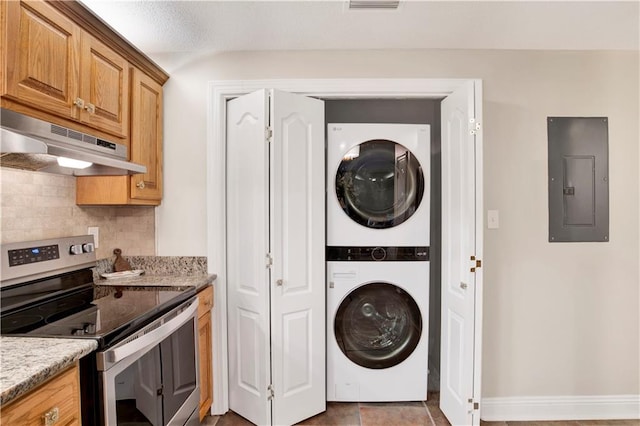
(298, 303)
(458, 247)
(42, 57)
(298, 244)
(105, 88)
(247, 246)
(146, 136)
(296, 332)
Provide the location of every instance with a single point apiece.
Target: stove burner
(20, 323)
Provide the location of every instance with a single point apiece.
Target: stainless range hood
(31, 144)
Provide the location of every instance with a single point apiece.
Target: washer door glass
(379, 184)
(378, 325)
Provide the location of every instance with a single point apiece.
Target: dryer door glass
(378, 325)
(379, 184)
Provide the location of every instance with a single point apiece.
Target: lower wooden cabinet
(205, 344)
(55, 402)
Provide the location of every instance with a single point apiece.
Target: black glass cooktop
(65, 307)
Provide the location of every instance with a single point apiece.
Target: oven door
(151, 378)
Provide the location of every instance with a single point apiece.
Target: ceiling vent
(374, 4)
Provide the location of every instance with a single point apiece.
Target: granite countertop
(29, 361)
(159, 271)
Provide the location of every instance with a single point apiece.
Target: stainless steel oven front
(151, 377)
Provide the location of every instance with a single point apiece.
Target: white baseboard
(598, 407)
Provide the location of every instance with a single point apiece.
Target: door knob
(463, 286)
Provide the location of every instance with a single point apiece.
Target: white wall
(559, 319)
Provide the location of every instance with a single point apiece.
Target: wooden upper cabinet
(145, 149)
(146, 136)
(104, 87)
(42, 60)
(60, 63)
(54, 66)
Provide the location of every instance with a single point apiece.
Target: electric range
(47, 290)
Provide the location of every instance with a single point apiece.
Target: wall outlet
(95, 231)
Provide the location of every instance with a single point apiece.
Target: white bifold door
(461, 250)
(275, 257)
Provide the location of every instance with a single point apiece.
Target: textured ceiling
(216, 26)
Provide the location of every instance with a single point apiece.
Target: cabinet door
(42, 59)
(206, 375)
(105, 88)
(59, 397)
(146, 136)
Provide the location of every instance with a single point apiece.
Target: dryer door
(378, 325)
(379, 184)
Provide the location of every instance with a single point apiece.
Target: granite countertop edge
(150, 280)
(30, 361)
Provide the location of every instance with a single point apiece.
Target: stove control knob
(77, 332)
(89, 328)
(88, 247)
(75, 249)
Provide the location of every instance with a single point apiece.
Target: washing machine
(378, 178)
(377, 323)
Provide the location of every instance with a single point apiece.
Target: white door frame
(218, 93)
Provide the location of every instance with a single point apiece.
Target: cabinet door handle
(79, 103)
(51, 417)
(91, 108)
(140, 184)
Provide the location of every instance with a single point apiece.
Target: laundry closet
(385, 117)
(350, 225)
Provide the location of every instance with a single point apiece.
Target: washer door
(379, 184)
(378, 325)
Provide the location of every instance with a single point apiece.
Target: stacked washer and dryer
(378, 216)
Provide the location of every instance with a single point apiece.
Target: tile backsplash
(37, 206)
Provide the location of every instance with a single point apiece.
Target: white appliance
(377, 324)
(378, 178)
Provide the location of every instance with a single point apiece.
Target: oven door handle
(153, 337)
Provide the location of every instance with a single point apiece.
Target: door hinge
(268, 134)
(474, 126)
(270, 393)
(474, 405)
(478, 263)
(269, 261)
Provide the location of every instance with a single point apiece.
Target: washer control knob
(75, 249)
(378, 253)
(88, 247)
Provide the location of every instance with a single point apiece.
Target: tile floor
(397, 414)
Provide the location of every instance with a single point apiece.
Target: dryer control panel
(377, 254)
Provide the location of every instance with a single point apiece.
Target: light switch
(493, 219)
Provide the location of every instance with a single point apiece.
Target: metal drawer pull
(50, 417)
(140, 184)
